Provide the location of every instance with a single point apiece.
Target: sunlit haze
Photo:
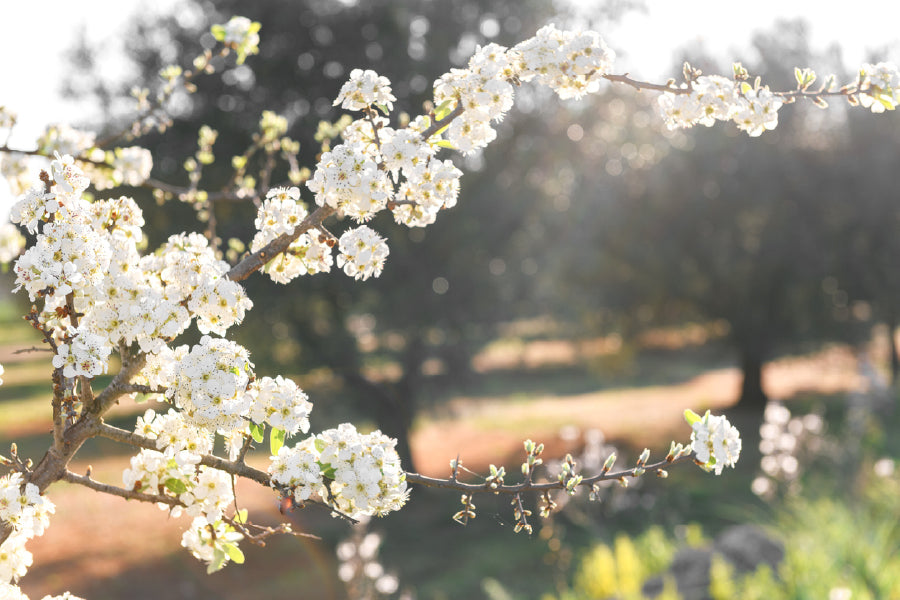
(32, 50)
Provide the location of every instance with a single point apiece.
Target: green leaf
(443, 109)
(382, 108)
(234, 553)
(241, 516)
(798, 75)
(691, 417)
(218, 32)
(176, 486)
(217, 562)
(327, 470)
(276, 440)
(446, 144)
(320, 445)
(257, 432)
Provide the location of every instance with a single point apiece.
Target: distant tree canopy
(784, 237)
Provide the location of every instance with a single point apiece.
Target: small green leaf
(327, 470)
(276, 440)
(382, 108)
(217, 562)
(218, 32)
(798, 75)
(234, 553)
(241, 516)
(257, 432)
(446, 144)
(691, 417)
(443, 109)
(176, 486)
(320, 445)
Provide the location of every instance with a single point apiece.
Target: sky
(32, 49)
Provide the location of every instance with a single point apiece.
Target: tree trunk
(752, 395)
(892, 344)
(393, 412)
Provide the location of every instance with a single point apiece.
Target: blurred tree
(735, 229)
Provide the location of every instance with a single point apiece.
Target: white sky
(37, 34)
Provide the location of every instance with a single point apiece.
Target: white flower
(240, 33)
(131, 166)
(14, 562)
(363, 89)
(210, 384)
(206, 540)
(297, 469)
(11, 242)
(880, 86)
(571, 63)
(715, 442)
(348, 179)
(280, 403)
(85, 355)
(363, 253)
(218, 305)
(757, 111)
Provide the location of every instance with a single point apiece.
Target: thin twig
(528, 486)
(120, 492)
(32, 349)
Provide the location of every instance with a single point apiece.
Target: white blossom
(716, 442)
(362, 253)
(210, 384)
(363, 89)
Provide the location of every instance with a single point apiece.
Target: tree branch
(106, 488)
(255, 261)
(234, 468)
(528, 486)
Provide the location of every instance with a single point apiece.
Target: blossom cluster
(173, 471)
(716, 442)
(279, 214)
(360, 474)
(240, 33)
(27, 512)
(9, 591)
(785, 442)
(881, 84)
(716, 98)
(377, 166)
(210, 384)
(280, 403)
(364, 89)
(90, 250)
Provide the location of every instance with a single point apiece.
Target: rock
(744, 546)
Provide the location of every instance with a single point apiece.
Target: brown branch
(140, 389)
(32, 349)
(118, 386)
(438, 125)
(106, 488)
(643, 85)
(241, 470)
(254, 262)
(528, 486)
